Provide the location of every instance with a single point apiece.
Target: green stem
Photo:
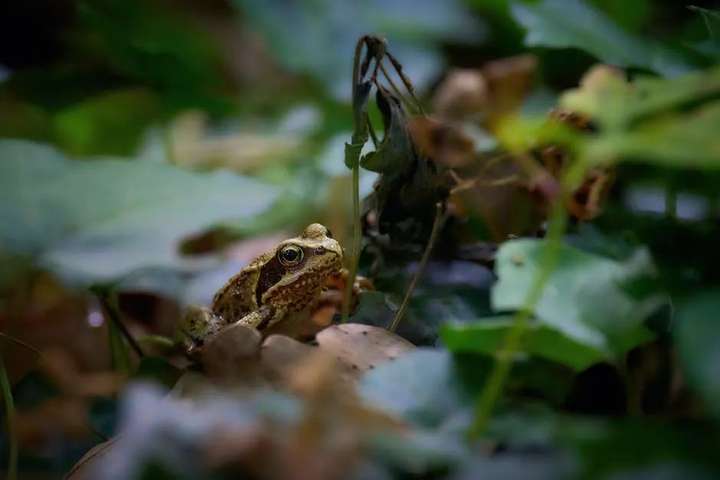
(10, 421)
(358, 138)
(503, 363)
(356, 239)
(500, 372)
(436, 227)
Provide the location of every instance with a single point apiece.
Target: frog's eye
(290, 255)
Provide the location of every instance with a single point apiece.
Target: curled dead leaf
(444, 142)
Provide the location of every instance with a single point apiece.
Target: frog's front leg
(262, 317)
(199, 323)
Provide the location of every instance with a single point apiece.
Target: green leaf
(575, 24)
(698, 339)
(615, 104)
(686, 140)
(587, 298)
(650, 120)
(487, 336)
(100, 220)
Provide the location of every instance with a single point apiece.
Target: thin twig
(440, 217)
(22, 343)
(468, 184)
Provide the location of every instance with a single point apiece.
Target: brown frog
(280, 285)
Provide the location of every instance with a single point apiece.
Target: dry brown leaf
(488, 93)
(509, 81)
(442, 141)
(362, 347)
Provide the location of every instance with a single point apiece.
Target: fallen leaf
(362, 347)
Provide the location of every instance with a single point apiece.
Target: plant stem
(356, 239)
(438, 222)
(10, 421)
(358, 139)
(503, 364)
(498, 376)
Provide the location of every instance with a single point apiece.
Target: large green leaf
(587, 298)
(575, 24)
(698, 337)
(99, 220)
(488, 335)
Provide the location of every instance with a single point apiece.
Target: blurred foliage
(109, 226)
(152, 148)
(297, 31)
(575, 24)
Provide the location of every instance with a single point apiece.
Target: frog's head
(313, 251)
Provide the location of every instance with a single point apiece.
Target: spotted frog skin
(277, 286)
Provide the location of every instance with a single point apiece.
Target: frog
(281, 285)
